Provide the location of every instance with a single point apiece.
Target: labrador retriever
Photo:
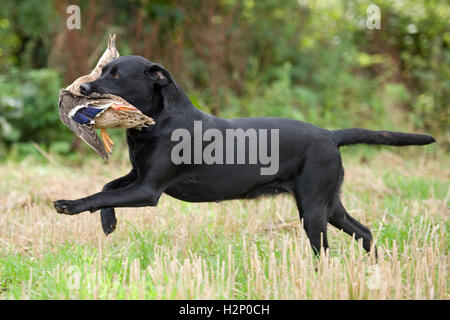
(309, 162)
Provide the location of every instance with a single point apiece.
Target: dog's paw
(109, 220)
(65, 207)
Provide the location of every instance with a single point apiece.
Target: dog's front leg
(108, 215)
(137, 194)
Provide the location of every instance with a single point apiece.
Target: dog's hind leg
(316, 189)
(315, 225)
(343, 221)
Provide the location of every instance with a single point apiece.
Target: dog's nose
(85, 89)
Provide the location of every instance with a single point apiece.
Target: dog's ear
(158, 75)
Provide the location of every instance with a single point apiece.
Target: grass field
(232, 250)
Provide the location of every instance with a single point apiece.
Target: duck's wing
(85, 132)
(86, 113)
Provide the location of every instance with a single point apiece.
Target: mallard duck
(83, 114)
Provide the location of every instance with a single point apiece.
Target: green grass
(237, 249)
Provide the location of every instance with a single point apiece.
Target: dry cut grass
(233, 250)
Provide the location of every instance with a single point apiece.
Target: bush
(29, 108)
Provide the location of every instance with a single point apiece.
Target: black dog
(310, 164)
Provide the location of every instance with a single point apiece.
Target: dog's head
(133, 78)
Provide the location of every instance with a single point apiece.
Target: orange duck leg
(107, 141)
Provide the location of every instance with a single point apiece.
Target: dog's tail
(346, 137)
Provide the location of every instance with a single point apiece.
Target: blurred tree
(310, 60)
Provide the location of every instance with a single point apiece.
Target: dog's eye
(116, 76)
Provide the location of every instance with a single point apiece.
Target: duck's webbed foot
(107, 141)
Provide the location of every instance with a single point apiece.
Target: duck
(83, 114)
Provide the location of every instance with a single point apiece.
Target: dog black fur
(310, 165)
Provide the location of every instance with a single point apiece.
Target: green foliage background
(314, 61)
